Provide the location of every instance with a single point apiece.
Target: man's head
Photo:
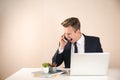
(72, 29)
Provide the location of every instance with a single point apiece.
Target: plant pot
(45, 69)
(52, 69)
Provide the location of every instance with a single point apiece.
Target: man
(73, 42)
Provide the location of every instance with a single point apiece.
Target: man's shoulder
(94, 37)
(91, 37)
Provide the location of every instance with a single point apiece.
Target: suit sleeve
(99, 47)
(58, 58)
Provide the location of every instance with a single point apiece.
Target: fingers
(63, 38)
(63, 42)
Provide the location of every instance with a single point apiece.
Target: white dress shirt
(80, 46)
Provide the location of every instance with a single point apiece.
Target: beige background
(30, 29)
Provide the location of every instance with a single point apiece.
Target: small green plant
(45, 65)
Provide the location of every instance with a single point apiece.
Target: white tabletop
(27, 74)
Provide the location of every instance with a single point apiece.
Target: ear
(78, 31)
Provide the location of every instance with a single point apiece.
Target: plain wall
(30, 29)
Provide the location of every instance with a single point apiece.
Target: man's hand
(63, 42)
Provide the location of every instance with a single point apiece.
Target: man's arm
(58, 58)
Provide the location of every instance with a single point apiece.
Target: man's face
(71, 34)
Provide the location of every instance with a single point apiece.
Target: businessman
(73, 41)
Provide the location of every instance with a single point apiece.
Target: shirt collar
(81, 40)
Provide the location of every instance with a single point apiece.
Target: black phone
(65, 38)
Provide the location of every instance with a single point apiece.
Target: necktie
(75, 48)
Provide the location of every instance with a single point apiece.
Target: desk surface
(26, 74)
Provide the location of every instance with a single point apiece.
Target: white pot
(45, 69)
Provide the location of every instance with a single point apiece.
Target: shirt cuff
(60, 51)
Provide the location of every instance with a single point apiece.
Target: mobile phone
(65, 38)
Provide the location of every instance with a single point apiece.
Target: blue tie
(75, 48)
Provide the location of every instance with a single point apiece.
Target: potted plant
(45, 67)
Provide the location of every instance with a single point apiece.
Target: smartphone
(65, 38)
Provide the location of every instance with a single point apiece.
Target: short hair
(73, 22)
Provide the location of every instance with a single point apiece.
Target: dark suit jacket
(92, 44)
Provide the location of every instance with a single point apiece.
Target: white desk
(26, 74)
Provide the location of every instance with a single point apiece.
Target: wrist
(61, 47)
(60, 50)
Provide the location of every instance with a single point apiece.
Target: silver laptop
(89, 63)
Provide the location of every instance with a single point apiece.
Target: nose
(67, 36)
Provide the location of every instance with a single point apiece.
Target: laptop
(89, 63)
